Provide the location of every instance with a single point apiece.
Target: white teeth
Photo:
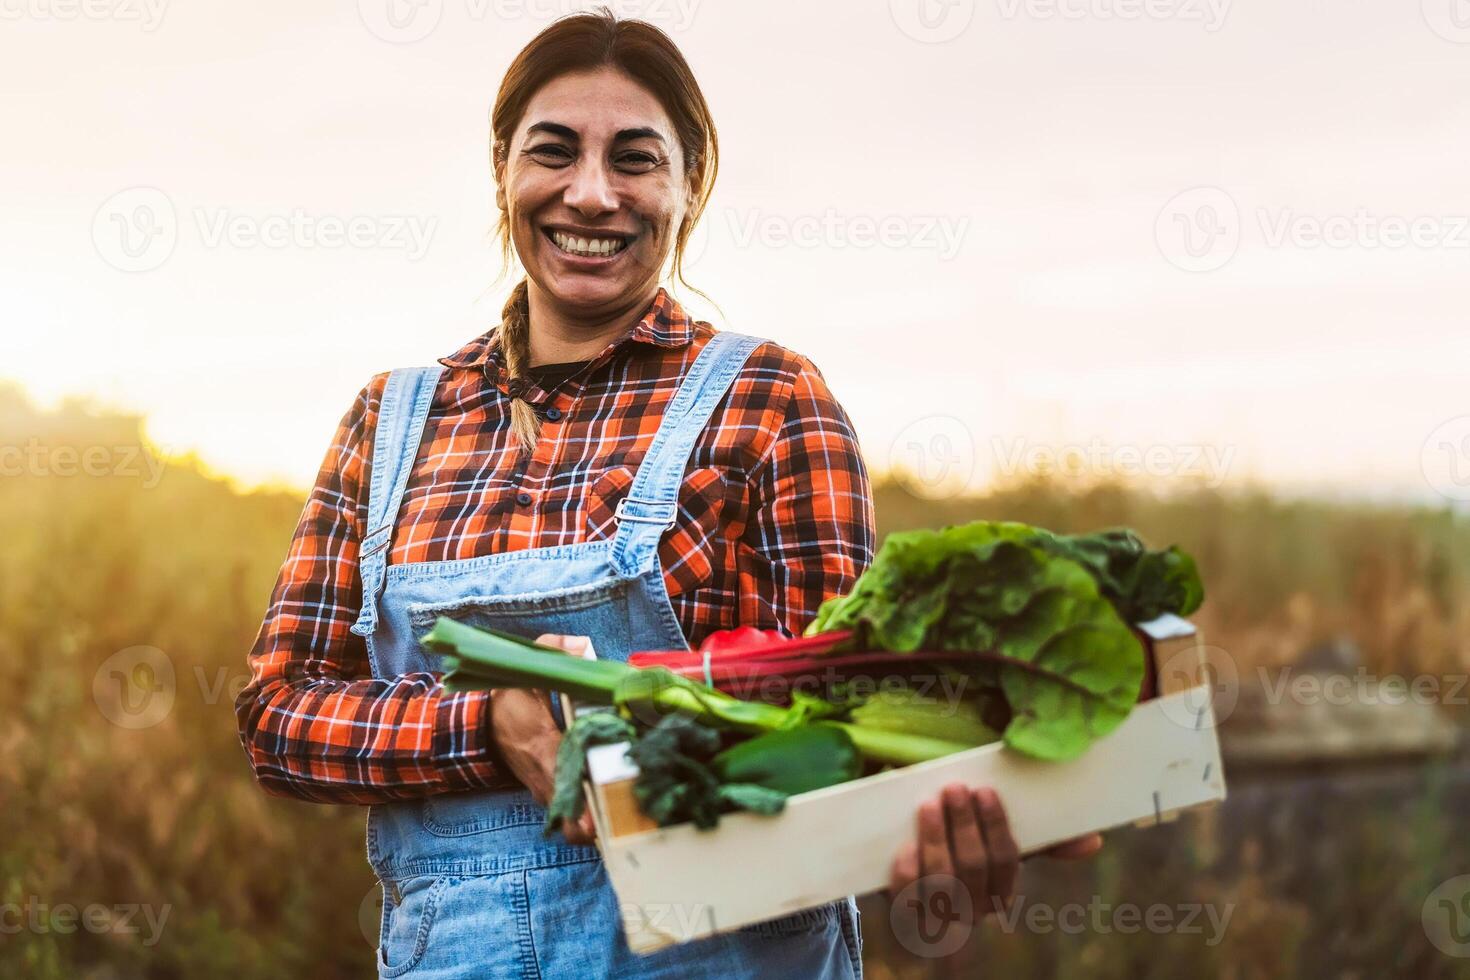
(587, 246)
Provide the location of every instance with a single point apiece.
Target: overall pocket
(409, 905)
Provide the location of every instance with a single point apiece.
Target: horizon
(1264, 260)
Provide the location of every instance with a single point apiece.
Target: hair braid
(515, 345)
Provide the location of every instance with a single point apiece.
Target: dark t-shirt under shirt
(549, 377)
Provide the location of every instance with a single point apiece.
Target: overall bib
(471, 887)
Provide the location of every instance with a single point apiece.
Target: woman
(597, 466)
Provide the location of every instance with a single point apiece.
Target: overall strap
(652, 502)
(401, 416)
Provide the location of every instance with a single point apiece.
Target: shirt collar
(664, 325)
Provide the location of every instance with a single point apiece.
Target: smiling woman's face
(595, 186)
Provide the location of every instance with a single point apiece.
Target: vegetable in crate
(1040, 613)
(683, 775)
(480, 659)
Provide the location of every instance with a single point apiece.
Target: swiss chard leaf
(1040, 612)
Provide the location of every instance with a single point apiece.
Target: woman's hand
(527, 736)
(964, 843)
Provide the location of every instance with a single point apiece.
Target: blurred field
(1328, 872)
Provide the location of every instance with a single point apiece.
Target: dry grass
(167, 815)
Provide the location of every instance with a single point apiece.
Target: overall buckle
(620, 514)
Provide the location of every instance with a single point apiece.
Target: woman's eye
(637, 162)
(550, 153)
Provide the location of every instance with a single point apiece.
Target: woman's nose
(590, 191)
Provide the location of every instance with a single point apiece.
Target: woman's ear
(497, 167)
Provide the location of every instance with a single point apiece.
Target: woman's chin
(590, 292)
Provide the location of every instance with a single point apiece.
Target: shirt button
(553, 413)
(523, 498)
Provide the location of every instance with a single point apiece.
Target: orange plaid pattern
(775, 515)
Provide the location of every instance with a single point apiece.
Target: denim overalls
(471, 887)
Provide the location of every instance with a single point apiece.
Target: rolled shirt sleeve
(314, 722)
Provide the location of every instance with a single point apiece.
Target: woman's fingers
(565, 641)
(971, 860)
(579, 831)
(905, 869)
(1001, 849)
(1076, 849)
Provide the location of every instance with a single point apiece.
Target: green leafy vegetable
(1035, 619)
(676, 780)
(795, 760)
(593, 728)
(904, 710)
(1142, 584)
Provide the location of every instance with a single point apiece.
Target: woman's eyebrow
(555, 129)
(641, 132)
(567, 132)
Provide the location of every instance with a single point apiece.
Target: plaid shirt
(775, 515)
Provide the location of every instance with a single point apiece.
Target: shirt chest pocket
(694, 548)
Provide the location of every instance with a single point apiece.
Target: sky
(1200, 240)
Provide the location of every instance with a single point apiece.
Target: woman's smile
(588, 248)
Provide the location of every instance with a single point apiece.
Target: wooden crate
(675, 884)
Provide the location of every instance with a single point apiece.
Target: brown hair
(582, 42)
